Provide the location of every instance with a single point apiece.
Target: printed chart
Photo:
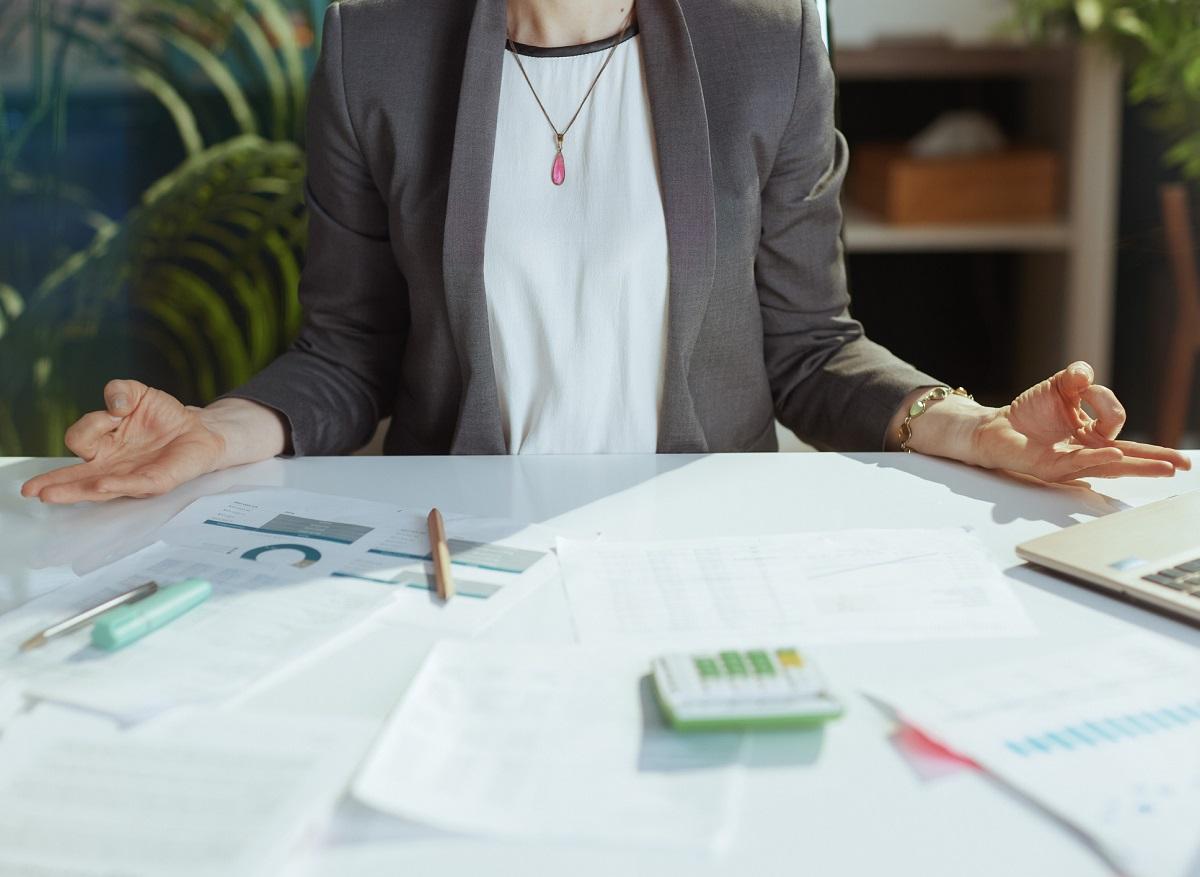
(307, 555)
(290, 525)
(340, 538)
(1106, 730)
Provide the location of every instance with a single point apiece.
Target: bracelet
(937, 394)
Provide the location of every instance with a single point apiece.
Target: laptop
(1150, 555)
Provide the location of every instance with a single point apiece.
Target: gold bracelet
(937, 394)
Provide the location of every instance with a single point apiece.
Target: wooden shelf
(867, 234)
(1071, 100)
(947, 61)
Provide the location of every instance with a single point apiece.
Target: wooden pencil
(439, 552)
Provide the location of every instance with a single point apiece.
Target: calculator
(729, 690)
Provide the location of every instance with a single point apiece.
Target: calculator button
(761, 663)
(734, 665)
(707, 668)
(789, 658)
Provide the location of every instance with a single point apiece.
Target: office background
(151, 218)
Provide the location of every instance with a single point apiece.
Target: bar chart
(1107, 730)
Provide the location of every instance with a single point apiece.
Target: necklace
(558, 170)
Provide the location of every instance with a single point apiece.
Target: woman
(652, 205)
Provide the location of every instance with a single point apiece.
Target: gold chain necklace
(558, 170)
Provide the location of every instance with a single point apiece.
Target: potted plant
(198, 278)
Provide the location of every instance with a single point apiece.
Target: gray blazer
(402, 120)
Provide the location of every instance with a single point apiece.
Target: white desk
(841, 802)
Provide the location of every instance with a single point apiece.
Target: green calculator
(760, 688)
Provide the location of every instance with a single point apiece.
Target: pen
(439, 552)
(77, 621)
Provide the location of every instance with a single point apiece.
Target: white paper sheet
(16, 590)
(221, 793)
(1105, 736)
(258, 620)
(496, 563)
(19, 587)
(812, 587)
(549, 743)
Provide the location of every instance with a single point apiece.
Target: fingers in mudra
(144, 443)
(1071, 423)
(1053, 411)
(84, 436)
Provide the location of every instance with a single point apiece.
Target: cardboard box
(1018, 185)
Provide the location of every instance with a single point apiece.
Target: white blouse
(576, 275)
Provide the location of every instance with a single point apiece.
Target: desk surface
(854, 804)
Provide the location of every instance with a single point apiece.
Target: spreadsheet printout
(852, 585)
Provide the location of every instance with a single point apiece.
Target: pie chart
(286, 553)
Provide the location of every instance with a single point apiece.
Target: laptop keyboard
(1184, 578)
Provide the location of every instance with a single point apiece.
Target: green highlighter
(126, 624)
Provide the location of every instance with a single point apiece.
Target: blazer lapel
(685, 172)
(479, 429)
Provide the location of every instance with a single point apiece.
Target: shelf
(938, 60)
(866, 234)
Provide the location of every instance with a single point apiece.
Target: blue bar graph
(1106, 731)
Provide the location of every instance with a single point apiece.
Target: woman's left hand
(1045, 432)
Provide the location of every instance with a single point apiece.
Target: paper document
(1106, 736)
(222, 793)
(495, 562)
(19, 587)
(549, 743)
(259, 619)
(810, 587)
(291, 571)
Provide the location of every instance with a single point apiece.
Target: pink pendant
(558, 171)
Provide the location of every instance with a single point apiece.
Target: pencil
(80, 619)
(439, 552)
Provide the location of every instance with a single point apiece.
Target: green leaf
(11, 303)
(181, 113)
(11, 306)
(1126, 21)
(277, 83)
(1090, 14)
(277, 19)
(212, 67)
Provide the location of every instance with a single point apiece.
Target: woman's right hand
(146, 442)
